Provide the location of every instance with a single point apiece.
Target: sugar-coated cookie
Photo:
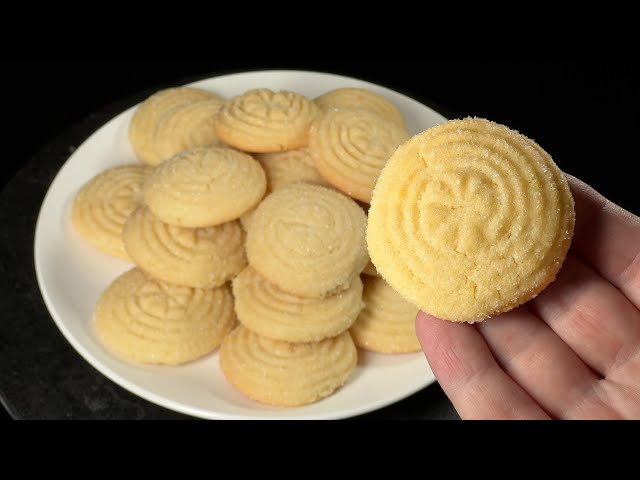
(470, 219)
(350, 147)
(269, 311)
(150, 321)
(308, 240)
(286, 374)
(103, 204)
(261, 120)
(387, 322)
(142, 129)
(284, 168)
(203, 257)
(360, 98)
(204, 187)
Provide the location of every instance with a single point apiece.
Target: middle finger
(539, 361)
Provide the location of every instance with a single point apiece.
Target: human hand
(573, 352)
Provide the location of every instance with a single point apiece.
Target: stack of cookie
(295, 262)
(298, 297)
(174, 218)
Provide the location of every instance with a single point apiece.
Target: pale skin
(573, 352)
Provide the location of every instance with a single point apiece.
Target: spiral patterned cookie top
(350, 147)
(265, 121)
(101, 207)
(186, 127)
(142, 129)
(269, 311)
(204, 187)
(360, 98)
(292, 166)
(194, 257)
(386, 324)
(286, 374)
(149, 321)
(307, 239)
(470, 219)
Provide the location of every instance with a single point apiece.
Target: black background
(583, 112)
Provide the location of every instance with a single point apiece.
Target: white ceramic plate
(72, 276)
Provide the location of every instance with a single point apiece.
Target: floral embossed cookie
(261, 120)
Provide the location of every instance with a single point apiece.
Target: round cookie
(247, 217)
(204, 187)
(308, 240)
(186, 127)
(284, 168)
(470, 219)
(350, 147)
(267, 310)
(193, 257)
(149, 321)
(360, 98)
(292, 166)
(370, 268)
(387, 322)
(286, 374)
(261, 120)
(102, 206)
(143, 125)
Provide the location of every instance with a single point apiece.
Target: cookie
(283, 168)
(146, 320)
(247, 217)
(370, 268)
(308, 240)
(193, 257)
(350, 147)
(360, 98)
(286, 374)
(186, 127)
(265, 121)
(269, 311)
(143, 125)
(102, 206)
(386, 324)
(204, 187)
(470, 219)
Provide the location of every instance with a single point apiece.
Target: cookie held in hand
(470, 219)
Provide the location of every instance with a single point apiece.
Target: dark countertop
(583, 114)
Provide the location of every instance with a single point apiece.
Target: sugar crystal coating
(470, 219)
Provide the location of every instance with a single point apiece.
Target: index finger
(607, 237)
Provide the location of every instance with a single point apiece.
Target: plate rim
(142, 392)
